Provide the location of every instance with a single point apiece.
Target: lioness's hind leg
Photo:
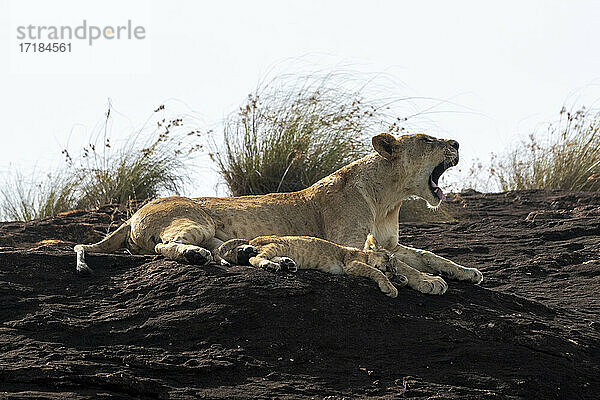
(186, 253)
(182, 239)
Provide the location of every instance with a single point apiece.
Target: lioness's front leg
(426, 261)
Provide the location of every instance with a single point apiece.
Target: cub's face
(380, 259)
(377, 256)
(421, 160)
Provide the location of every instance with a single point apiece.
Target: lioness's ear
(385, 144)
(370, 243)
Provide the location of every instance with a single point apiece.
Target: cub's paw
(270, 266)
(244, 253)
(399, 280)
(429, 285)
(286, 263)
(388, 289)
(197, 256)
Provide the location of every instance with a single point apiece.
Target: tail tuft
(82, 267)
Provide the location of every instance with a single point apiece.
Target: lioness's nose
(453, 143)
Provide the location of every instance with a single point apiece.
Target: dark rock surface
(144, 327)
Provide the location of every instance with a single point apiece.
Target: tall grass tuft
(23, 200)
(294, 130)
(566, 157)
(149, 162)
(140, 169)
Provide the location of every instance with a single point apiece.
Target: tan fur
(363, 197)
(306, 252)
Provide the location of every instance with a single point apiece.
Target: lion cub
(305, 252)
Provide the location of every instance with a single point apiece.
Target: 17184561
(45, 47)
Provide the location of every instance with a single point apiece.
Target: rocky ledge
(144, 327)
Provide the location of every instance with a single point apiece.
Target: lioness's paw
(197, 256)
(467, 274)
(476, 276)
(270, 266)
(430, 285)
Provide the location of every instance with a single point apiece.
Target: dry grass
(23, 200)
(294, 131)
(566, 157)
(148, 163)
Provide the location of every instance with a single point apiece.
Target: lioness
(306, 252)
(344, 207)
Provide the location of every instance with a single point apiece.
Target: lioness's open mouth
(435, 176)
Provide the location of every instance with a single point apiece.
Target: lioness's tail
(228, 250)
(114, 241)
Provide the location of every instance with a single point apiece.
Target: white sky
(512, 62)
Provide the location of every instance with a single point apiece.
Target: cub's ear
(385, 144)
(370, 243)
